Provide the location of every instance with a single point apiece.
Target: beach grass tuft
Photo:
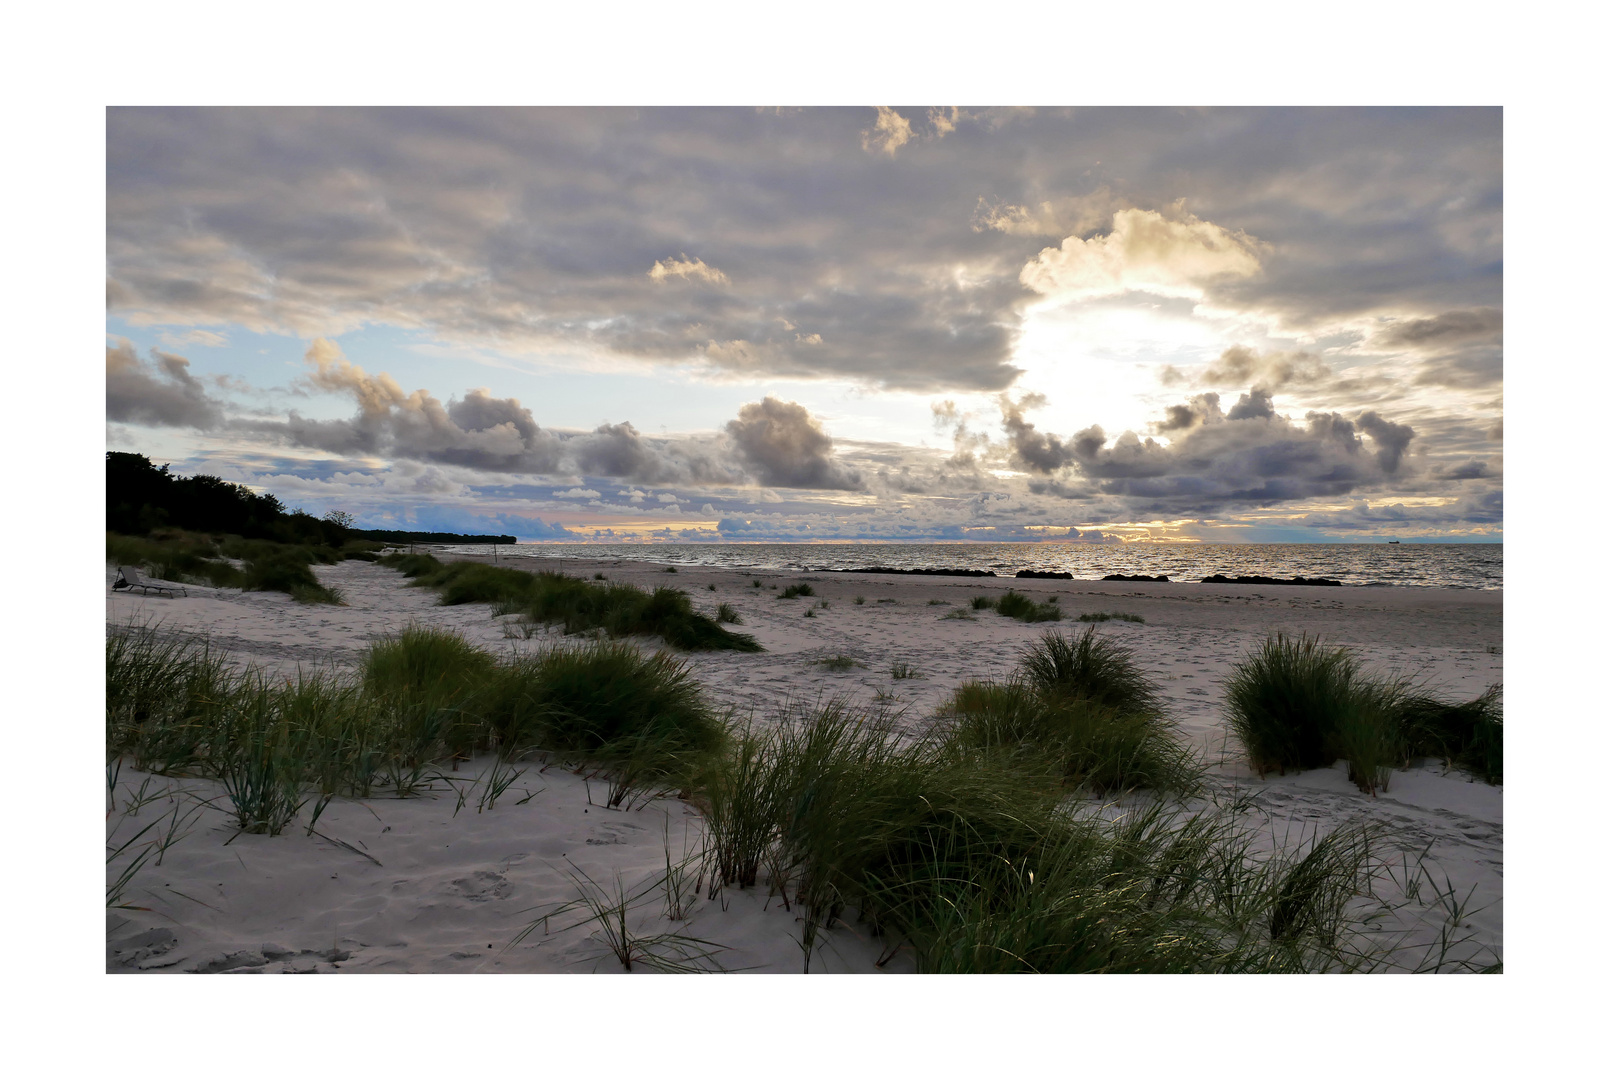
(1285, 702)
(796, 590)
(1109, 616)
(1295, 703)
(1015, 605)
(1091, 668)
(970, 860)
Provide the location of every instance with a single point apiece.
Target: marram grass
(580, 606)
(1296, 703)
(974, 863)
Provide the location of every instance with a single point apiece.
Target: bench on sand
(129, 577)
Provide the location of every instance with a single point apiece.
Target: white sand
(437, 889)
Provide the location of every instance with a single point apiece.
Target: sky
(903, 323)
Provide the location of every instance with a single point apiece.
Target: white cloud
(576, 493)
(943, 120)
(1144, 252)
(888, 134)
(1064, 216)
(688, 269)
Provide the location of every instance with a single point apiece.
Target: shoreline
(1461, 566)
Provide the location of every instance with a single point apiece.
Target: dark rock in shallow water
(930, 571)
(1257, 579)
(1134, 577)
(1060, 575)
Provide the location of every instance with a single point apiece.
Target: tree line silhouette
(142, 497)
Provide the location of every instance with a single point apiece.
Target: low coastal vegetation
(960, 845)
(1109, 616)
(1014, 605)
(974, 861)
(224, 561)
(616, 609)
(841, 662)
(1081, 706)
(420, 702)
(1296, 704)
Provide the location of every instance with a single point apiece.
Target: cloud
(195, 336)
(1241, 366)
(1466, 371)
(943, 121)
(621, 451)
(1258, 404)
(888, 134)
(1480, 326)
(520, 232)
(1144, 252)
(1391, 439)
(479, 432)
(1216, 463)
(787, 447)
(688, 269)
(1473, 469)
(165, 395)
(1198, 410)
(577, 493)
(966, 443)
(1460, 349)
(1477, 513)
(1061, 216)
(1032, 449)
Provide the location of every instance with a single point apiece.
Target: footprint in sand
(481, 886)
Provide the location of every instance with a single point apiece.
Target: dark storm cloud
(1253, 456)
(816, 243)
(1198, 410)
(1031, 449)
(1390, 439)
(785, 446)
(1256, 405)
(161, 395)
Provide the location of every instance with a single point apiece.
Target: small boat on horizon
(1393, 541)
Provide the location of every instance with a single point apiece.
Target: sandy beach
(429, 885)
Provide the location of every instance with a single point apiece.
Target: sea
(1440, 566)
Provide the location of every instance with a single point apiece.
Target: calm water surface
(1454, 566)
